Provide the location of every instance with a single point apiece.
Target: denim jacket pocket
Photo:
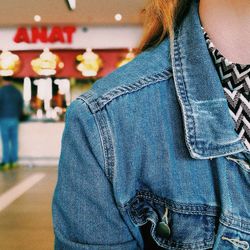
(175, 226)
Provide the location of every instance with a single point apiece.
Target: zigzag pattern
(235, 80)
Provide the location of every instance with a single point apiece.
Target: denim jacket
(153, 144)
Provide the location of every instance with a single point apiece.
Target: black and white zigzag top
(235, 79)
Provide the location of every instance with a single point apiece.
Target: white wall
(39, 143)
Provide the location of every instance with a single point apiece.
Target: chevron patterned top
(235, 79)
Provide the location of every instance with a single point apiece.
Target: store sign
(69, 37)
(55, 34)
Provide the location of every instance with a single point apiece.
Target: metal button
(163, 230)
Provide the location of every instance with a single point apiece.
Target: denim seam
(180, 211)
(87, 97)
(245, 222)
(183, 208)
(98, 103)
(236, 150)
(108, 148)
(228, 220)
(104, 135)
(200, 247)
(228, 188)
(230, 225)
(183, 99)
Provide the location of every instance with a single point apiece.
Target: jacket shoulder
(150, 66)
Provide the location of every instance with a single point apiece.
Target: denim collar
(209, 128)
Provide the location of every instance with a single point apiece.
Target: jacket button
(163, 230)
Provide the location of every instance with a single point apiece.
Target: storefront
(52, 66)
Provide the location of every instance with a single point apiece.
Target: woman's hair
(161, 16)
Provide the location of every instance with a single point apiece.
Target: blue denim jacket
(153, 143)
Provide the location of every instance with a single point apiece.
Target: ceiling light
(118, 17)
(71, 4)
(37, 18)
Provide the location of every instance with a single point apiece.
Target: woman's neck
(227, 23)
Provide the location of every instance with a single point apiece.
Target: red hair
(160, 19)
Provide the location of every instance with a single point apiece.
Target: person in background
(11, 106)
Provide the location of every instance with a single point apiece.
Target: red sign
(45, 35)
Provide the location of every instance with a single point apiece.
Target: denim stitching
(105, 137)
(98, 103)
(109, 156)
(228, 188)
(87, 97)
(182, 95)
(225, 146)
(183, 208)
(228, 220)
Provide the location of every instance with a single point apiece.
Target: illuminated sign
(69, 36)
(44, 35)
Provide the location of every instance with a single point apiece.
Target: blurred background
(51, 51)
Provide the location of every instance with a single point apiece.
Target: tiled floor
(26, 223)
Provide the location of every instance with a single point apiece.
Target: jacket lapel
(209, 128)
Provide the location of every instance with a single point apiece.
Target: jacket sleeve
(85, 215)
